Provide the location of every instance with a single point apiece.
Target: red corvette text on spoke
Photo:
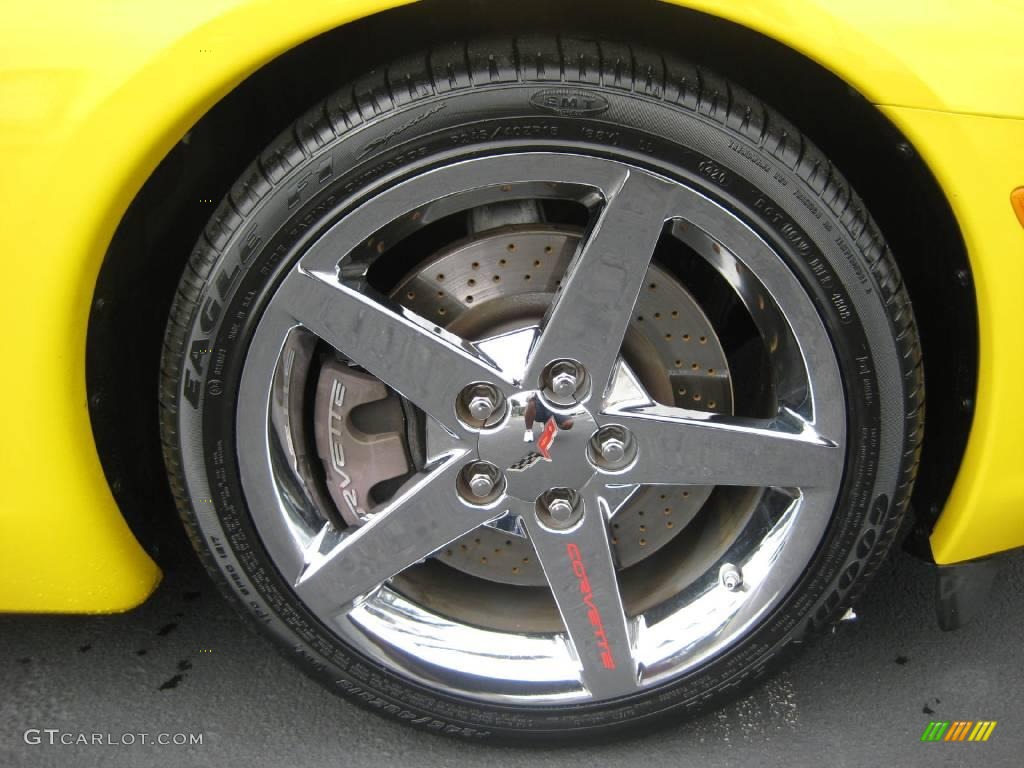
(580, 570)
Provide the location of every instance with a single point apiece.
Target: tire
(606, 103)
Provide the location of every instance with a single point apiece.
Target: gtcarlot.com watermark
(56, 736)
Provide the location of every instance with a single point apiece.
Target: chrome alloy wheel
(541, 428)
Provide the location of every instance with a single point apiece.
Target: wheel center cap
(540, 445)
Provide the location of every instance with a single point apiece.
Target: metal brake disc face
(501, 281)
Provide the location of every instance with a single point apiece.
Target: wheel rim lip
(663, 650)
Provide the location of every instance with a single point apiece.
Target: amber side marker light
(1017, 201)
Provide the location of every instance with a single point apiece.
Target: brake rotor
(505, 279)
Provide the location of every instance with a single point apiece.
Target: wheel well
(152, 243)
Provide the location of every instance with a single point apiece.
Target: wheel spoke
(420, 361)
(680, 447)
(591, 313)
(424, 516)
(580, 570)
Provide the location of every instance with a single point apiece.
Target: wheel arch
(202, 155)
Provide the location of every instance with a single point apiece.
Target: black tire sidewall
(764, 193)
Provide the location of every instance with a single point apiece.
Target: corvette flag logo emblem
(547, 437)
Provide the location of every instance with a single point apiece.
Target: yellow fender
(94, 94)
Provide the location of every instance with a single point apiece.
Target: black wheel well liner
(153, 240)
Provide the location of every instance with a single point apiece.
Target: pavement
(185, 663)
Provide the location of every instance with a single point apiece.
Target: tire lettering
(208, 317)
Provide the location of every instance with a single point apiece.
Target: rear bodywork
(93, 95)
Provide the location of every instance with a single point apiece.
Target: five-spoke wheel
(531, 388)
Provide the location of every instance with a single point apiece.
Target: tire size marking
(603, 135)
(477, 135)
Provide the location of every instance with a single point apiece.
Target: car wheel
(541, 388)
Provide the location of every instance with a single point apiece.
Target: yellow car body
(94, 94)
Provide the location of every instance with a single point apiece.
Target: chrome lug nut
(565, 378)
(731, 577)
(564, 384)
(481, 406)
(480, 482)
(612, 447)
(613, 450)
(478, 403)
(560, 510)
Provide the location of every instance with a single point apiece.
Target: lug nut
(731, 577)
(564, 384)
(613, 450)
(565, 378)
(481, 406)
(481, 484)
(612, 447)
(480, 481)
(480, 402)
(560, 510)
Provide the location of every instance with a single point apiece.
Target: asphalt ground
(185, 663)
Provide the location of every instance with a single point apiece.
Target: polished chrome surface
(613, 447)
(481, 484)
(480, 403)
(540, 445)
(613, 450)
(566, 378)
(351, 577)
(483, 480)
(501, 281)
(731, 577)
(561, 511)
(481, 406)
(559, 508)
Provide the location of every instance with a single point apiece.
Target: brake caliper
(354, 460)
